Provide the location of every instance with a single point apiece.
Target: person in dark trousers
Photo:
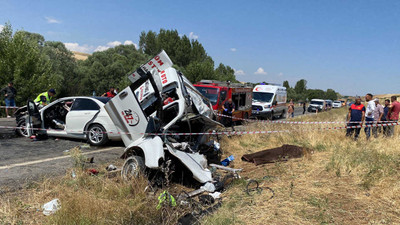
(394, 111)
(109, 94)
(304, 107)
(229, 108)
(9, 94)
(355, 117)
(385, 116)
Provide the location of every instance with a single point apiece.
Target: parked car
(337, 104)
(316, 105)
(70, 117)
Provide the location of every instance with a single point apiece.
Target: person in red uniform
(109, 94)
(355, 117)
(393, 115)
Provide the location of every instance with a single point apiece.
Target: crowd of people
(378, 118)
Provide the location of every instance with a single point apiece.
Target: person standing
(229, 108)
(355, 117)
(393, 114)
(291, 109)
(378, 114)
(46, 97)
(9, 93)
(109, 94)
(304, 107)
(369, 114)
(385, 116)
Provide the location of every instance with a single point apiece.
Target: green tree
(286, 84)
(331, 94)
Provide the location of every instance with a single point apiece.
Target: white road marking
(54, 158)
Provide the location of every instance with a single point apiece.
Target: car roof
(104, 100)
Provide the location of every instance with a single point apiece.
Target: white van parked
(316, 105)
(269, 101)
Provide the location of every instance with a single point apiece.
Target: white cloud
(1, 27)
(90, 48)
(280, 74)
(239, 72)
(114, 43)
(52, 20)
(193, 36)
(129, 42)
(233, 49)
(260, 71)
(101, 48)
(79, 48)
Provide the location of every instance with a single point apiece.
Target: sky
(350, 46)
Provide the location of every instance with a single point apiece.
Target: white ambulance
(269, 101)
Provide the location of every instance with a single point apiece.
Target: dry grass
(342, 182)
(86, 199)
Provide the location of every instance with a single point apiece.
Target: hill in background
(80, 55)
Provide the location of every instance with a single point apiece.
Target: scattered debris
(93, 172)
(206, 199)
(227, 161)
(111, 167)
(51, 207)
(165, 198)
(90, 160)
(254, 187)
(216, 195)
(85, 146)
(276, 154)
(73, 174)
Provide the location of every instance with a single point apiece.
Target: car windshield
(337, 102)
(102, 99)
(210, 93)
(316, 103)
(262, 96)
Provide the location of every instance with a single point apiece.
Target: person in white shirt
(369, 114)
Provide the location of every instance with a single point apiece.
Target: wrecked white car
(69, 117)
(161, 101)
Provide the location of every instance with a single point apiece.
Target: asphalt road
(23, 160)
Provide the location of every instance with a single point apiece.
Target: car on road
(316, 105)
(337, 104)
(70, 117)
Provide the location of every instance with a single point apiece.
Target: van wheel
(270, 116)
(133, 167)
(283, 115)
(97, 135)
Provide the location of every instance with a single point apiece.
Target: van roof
(316, 99)
(268, 88)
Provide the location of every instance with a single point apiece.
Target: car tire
(20, 130)
(133, 167)
(97, 135)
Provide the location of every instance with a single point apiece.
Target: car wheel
(21, 130)
(97, 135)
(133, 167)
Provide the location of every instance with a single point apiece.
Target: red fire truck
(219, 92)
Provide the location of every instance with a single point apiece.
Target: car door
(127, 115)
(82, 111)
(34, 120)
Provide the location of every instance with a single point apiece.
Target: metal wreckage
(161, 101)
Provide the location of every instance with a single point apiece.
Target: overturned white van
(161, 101)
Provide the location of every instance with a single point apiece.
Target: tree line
(35, 65)
(300, 92)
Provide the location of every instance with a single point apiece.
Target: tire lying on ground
(97, 135)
